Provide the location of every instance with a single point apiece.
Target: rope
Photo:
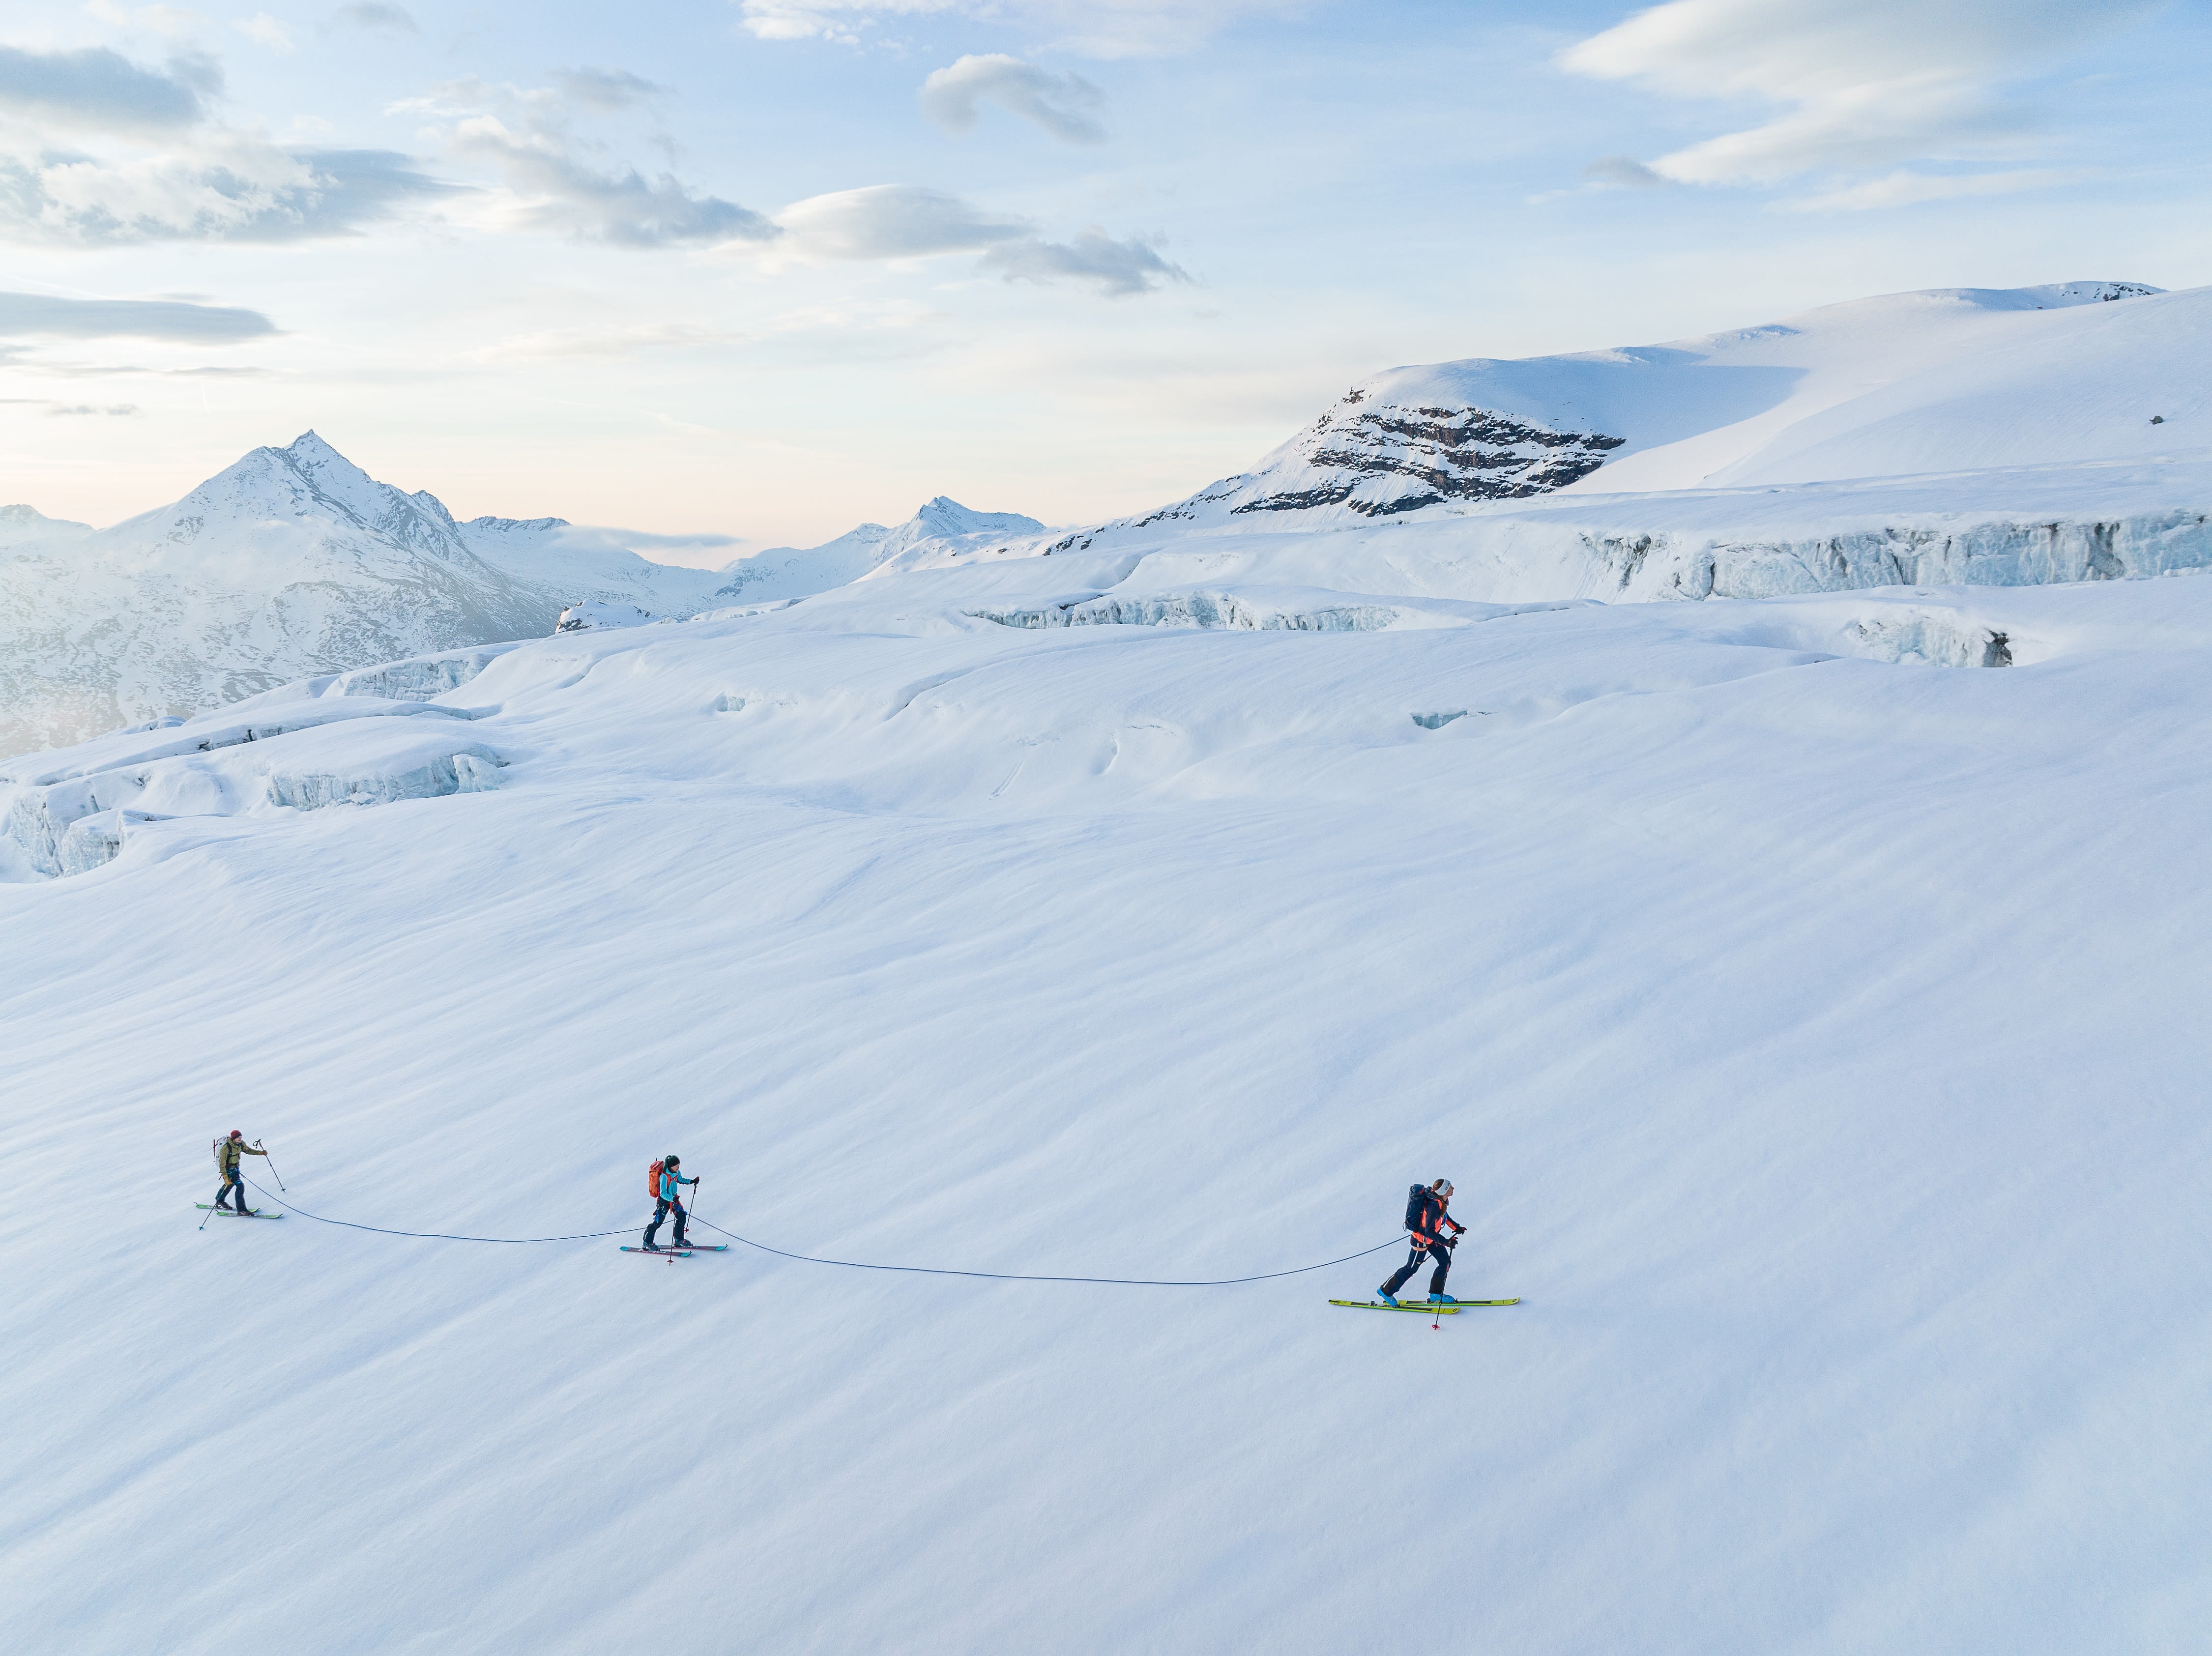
(440, 1235)
(849, 1265)
(1012, 1276)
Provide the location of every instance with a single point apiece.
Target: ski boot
(1386, 1296)
(1442, 1299)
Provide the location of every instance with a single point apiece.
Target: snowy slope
(291, 562)
(941, 533)
(1813, 1032)
(1953, 382)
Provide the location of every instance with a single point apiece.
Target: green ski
(1420, 1305)
(230, 1213)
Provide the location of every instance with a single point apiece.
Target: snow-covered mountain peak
(289, 562)
(1938, 379)
(307, 483)
(944, 515)
(943, 531)
(23, 524)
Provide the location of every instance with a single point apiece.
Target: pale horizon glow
(735, 275)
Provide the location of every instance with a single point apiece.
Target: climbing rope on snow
(1018, 1277)
(848, 1265)
(440, 1235)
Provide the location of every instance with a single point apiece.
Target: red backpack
(652, 1178)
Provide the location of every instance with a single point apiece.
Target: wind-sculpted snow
(1812, 1032)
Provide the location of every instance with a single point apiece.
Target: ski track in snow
(1810, 1016)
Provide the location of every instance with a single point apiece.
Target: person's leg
(1399, 1277)
(1442, 1255)
(682, 1219)
(659, 1212)
(231, 1181)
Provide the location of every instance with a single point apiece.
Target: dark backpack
(1417, 1201)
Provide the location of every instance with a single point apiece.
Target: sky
(744, 273)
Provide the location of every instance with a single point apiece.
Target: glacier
(1772, 891)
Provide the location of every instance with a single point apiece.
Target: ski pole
(272, 1166)
(210, 1212)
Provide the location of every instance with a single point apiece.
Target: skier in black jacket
(1426, 1219)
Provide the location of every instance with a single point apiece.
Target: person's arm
(250, 1150)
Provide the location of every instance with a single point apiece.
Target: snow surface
(1814, 1033)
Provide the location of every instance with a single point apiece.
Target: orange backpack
(652, 1179)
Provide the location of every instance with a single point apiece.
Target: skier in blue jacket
(671, 1190)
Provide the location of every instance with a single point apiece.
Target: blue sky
(765, 269)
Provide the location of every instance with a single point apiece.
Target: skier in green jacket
(227, 1153)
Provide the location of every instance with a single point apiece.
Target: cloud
(376, 14)
(623, 208)
(1065, 106)
(1621, 170)
(87, 408)
(1099, 28)
(1905, 188)
(904, 220)
(1860, 83)
(1114, 268)
(607, 90)
(105, 91)
(264, 30)
(155, 165)
(47, 316)
(554, 178)
(226, 186)
(891, 221)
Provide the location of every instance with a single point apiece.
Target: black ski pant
(659, 1212)
(1436, 1251)
(231, 1181)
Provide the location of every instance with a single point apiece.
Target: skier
(670, 1194)
(1426, 1219)
(226, 1152)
